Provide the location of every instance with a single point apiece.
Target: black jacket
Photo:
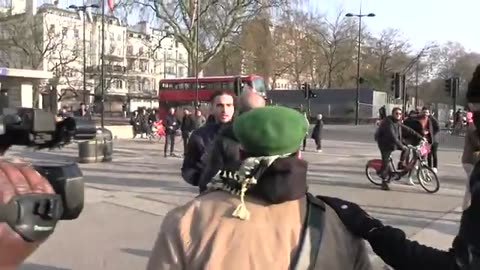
(171, 124)
(317, 130)
(188, 124)
(414, 123)
(400, 253)
(389, 134)
(224, 150)
(196, 154)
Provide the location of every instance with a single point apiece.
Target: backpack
(310, 236)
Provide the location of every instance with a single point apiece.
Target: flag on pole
(111, 5)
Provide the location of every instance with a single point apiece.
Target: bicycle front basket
(425, 150)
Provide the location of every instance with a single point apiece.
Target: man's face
(198, 113)
(397, 114)
(426, 113)
(171, 111)
(222, 108)
(186, 112)
(83, 107)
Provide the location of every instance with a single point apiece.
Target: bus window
(259, 85)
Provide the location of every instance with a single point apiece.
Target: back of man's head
(249, 100)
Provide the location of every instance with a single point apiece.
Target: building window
(140, 51)
(130, 49)
(181, 72)
(180, 57)
(64, 31)
(76, 33)
(170, 70)
(143, 66)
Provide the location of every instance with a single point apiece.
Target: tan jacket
(471, 147)
(203, 235)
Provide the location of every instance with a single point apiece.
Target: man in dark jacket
(225, 148)
(171, 125)
(317, 133)
(187, 126)
(200, 140)
(389, 139)
(430, 129)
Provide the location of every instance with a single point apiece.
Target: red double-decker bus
(181, 92)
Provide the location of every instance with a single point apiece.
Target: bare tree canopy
(217, 22)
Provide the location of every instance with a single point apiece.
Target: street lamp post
(357, 95)
(197, 45)
(102, 68)
(166, 35)
(84, 10)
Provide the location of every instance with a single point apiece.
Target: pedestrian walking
(222, 108)
(430, 129)
(199, 119)
(186, 127)
(317, 133)
(171, 125)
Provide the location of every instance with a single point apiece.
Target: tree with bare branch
(29, 42)
(214, 22)
(334, 39)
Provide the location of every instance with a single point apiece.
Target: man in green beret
(257, 214)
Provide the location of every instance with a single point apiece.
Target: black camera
(34, 216)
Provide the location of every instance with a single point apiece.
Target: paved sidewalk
(127, 199)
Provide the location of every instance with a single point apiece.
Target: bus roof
(209, 78)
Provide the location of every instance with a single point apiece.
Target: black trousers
(185, 137)
(385, 155)
(318, 142)
(305, 142)
(432, 157)
(169, 139)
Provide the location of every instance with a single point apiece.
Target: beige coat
(203, 235)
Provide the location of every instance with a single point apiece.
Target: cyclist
(389, 139)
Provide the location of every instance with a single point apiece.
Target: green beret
(269, 131)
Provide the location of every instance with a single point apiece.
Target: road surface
(127, 199)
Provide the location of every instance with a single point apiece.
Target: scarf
(274, 179)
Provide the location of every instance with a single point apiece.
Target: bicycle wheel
(428, 179)
(373, 176)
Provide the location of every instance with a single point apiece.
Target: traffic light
(396, 85)
(452, 86)
(455, 87)
(448, 86)
(237, 85)
(305, 89)
(392, 82)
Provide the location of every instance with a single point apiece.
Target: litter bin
(100, 149)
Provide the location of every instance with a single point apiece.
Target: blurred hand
(17, 179)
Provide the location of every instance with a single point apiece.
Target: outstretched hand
(355, 219)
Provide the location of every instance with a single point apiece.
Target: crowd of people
(254, 210)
